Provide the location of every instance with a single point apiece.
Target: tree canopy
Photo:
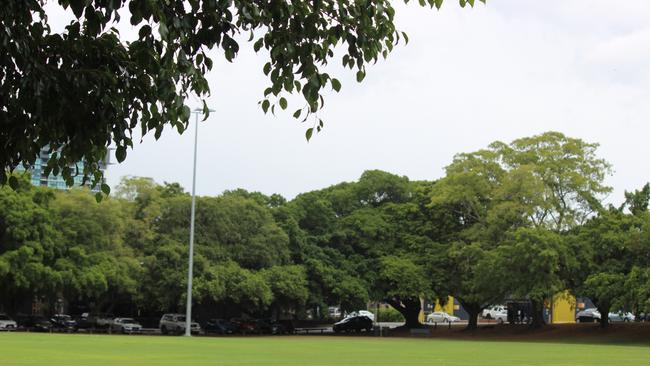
(87, 88)
(499, 225)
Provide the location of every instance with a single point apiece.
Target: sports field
(19, 349)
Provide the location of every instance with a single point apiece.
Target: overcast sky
(468, 77)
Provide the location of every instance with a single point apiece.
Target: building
(39, 178)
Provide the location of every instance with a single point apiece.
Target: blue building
(39, 178)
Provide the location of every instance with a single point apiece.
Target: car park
(441, 317)
(354, 323)
(125, 325)
(63, 322)
(6, 323)
(589, 315)
(175, 324)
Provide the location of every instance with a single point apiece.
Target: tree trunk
(537, 314)
(473, 310)
(604, 315)
(410, 308)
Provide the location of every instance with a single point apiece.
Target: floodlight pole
(188, 306)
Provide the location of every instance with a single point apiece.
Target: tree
(28, 246)
(87, 88)
(288, 285)
(547, 182)
(534, 263)
(617, 243)
(405, 284)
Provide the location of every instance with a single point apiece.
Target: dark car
(219, 326)
(353, 323)
(269, 326)
(245, 326)
(63, 322)
(35, 323)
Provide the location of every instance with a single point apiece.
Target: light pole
(190, 268)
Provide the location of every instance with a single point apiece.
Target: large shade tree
(83, 89)
(548, 182)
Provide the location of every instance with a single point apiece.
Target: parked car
(270, 326)
(354, 323)
(175, 324)
(496, 312)
(441, 317)
(589, 315)
(35, 323)
(126, 325)
(362, 313)
(288, 326)
(245, 326)
(94, 321)
(63, 322)
(621, 316)
(219, 326)
(6, 323)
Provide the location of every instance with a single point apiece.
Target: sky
(468, 77)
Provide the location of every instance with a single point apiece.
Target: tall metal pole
(188, 306)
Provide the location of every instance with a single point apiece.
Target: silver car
(175, 324)
(125, 325)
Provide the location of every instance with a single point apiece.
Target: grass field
(22, 349)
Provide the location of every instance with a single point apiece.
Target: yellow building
(563, 308)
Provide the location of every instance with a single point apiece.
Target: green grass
(22, 349)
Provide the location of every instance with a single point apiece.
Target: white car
(496, 312)
(125, 325)
(6, 323)
(621, 317)
(441, 317)
(365, 313)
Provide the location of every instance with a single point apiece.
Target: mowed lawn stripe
(23, 349)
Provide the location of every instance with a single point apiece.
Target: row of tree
(522, 220)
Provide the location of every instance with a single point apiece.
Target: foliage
(389, 315)
(79, 91)
(478, 234)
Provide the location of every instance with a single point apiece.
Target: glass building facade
(39, 178)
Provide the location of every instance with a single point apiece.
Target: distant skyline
(468, 77)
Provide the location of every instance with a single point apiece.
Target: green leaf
(163, 31)
(296, 114)
(360, 75)
(438, 3)
(283, 103)
(308, 133)
(106, 189)
(336, 85)
(99, 197)
(267, 68)
(120, 153)
(258, 44)
(265, 105)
